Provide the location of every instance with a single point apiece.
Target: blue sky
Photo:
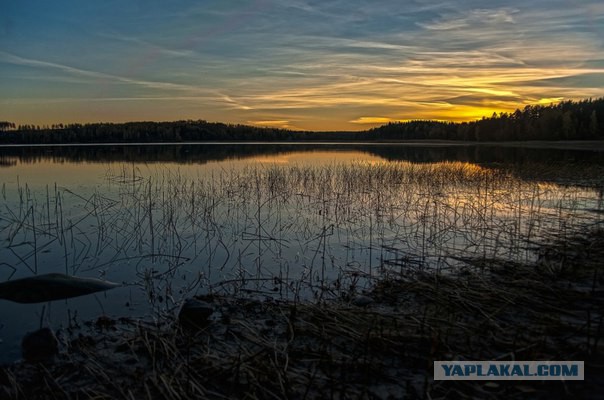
(294, 63)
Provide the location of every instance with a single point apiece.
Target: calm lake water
(307, 222)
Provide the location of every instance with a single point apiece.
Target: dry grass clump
(454, 252)
(251, 350)
(500, 310)
(491, 309)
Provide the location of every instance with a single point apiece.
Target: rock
(195, 314)
(362, 301)
(48, 287)
(40, 346)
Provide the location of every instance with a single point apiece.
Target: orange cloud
(371, 120)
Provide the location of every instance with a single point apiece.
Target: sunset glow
(295, 64)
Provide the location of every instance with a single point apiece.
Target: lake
(285, 222)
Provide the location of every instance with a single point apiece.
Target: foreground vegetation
(295, 231)
(568, 120)
(491, 309)
(338, 281)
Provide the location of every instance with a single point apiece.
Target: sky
(299, 64)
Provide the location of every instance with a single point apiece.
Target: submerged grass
(489, 310)
(308, 227)
(462, 262)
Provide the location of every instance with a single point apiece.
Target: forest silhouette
(567, 120)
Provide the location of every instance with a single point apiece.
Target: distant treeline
(567, 120)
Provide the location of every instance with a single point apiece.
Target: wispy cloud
(312, 65)
(278, 123)
(148, 46)
(371, 120)
(100, 76)
(486, 17)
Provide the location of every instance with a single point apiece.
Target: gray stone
(48, 287)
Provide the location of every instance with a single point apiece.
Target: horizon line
(268, 126)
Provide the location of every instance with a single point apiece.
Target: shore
(378, 345)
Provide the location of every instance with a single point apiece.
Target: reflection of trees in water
(179, 153)
(483, 154)
(521, 159)
(200, 153)
(7, 161)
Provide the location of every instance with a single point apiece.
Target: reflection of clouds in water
(318, 158)
(271, 160)
(178, 228)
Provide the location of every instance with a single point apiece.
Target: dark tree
(567, 120)
(5, 126)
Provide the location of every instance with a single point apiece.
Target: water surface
(304, 222)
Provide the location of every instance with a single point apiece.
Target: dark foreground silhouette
(568, 120)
